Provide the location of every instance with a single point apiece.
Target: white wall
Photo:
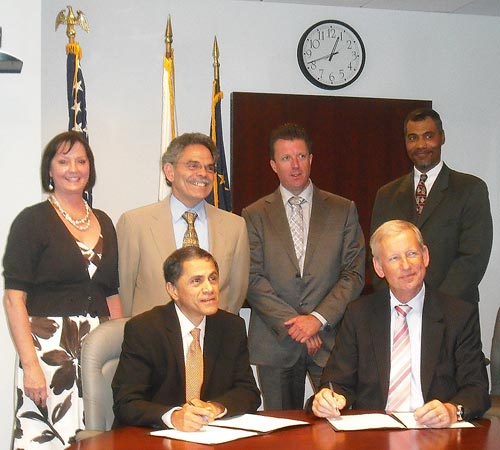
(449, 59)
(20, 131)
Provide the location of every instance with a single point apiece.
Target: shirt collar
(431, 174)
(177, 209)
(416, 303)
(187, 325)
(306, 194)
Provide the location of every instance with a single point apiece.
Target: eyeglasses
(195, 166)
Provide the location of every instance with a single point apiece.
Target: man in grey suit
(454, 216)
(307, 263)
(431, 364)
(147, 235)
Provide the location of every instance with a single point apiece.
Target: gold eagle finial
(70, 20)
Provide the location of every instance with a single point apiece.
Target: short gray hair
(392, 228)
(177, 146)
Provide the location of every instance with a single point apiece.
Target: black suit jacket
(452, 363)
(456, 225)
(150, 377)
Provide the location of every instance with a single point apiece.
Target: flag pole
(220, 196)
(168, 116)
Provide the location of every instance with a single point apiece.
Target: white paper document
(225, 430)
(410, 422)
(207, 435)
(253, 422)
(364, 422)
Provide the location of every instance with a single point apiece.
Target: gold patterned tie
(190, 236)
(194, 367)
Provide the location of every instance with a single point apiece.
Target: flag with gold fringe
(220, 196)
(77, 104)
(168, 116)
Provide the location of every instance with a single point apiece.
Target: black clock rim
(303, 68)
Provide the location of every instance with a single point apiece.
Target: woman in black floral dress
(61, 281)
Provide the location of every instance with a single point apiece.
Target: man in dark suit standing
(307, 263)
(432, 365)
(184, 364)
(451, 209)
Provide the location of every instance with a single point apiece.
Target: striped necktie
(400, 380)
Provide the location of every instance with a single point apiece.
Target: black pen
(205, 418)
(330, 385)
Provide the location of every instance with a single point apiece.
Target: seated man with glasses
(147, 235)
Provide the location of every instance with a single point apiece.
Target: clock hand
(320, 58)
(329, 56)
(333, 50)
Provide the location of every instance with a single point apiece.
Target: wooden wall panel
(358, 145)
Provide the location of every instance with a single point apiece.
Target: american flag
(77, 105)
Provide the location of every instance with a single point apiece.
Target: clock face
(331, 54)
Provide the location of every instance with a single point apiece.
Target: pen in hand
(330, 385)
(205, 418)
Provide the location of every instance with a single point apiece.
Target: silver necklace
(82, 224)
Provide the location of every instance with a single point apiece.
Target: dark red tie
(421, 194)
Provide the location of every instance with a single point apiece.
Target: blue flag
(220, 196)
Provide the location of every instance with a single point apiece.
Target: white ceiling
(479, 7)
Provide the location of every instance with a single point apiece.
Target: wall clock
(331, 54)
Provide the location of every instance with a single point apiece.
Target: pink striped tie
(399, 387)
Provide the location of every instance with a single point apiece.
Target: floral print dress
(58, 342)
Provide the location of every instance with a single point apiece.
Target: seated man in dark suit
(164, 378)
(406, 348)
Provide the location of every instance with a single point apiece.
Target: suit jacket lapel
(162, 229)
(215, 231)
(405, 198)
(211, 347)
(432, 339)
(380, 330)
(173, 332)
(436, 195)
(275, 211)
(317, 221)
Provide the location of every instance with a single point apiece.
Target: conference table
(318, 436)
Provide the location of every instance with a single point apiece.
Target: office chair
(494, 411)
(100, 354)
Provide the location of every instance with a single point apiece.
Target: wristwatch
(460, 413)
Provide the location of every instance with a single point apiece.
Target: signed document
(254, 422)
(409, 421)
(371, 421)
(225, 430)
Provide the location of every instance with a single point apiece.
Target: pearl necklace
(82, 224)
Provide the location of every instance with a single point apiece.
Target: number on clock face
(331, 54)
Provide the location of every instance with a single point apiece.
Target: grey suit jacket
(452, 363)
(333, 274)
(146, 238)
(456, 225)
